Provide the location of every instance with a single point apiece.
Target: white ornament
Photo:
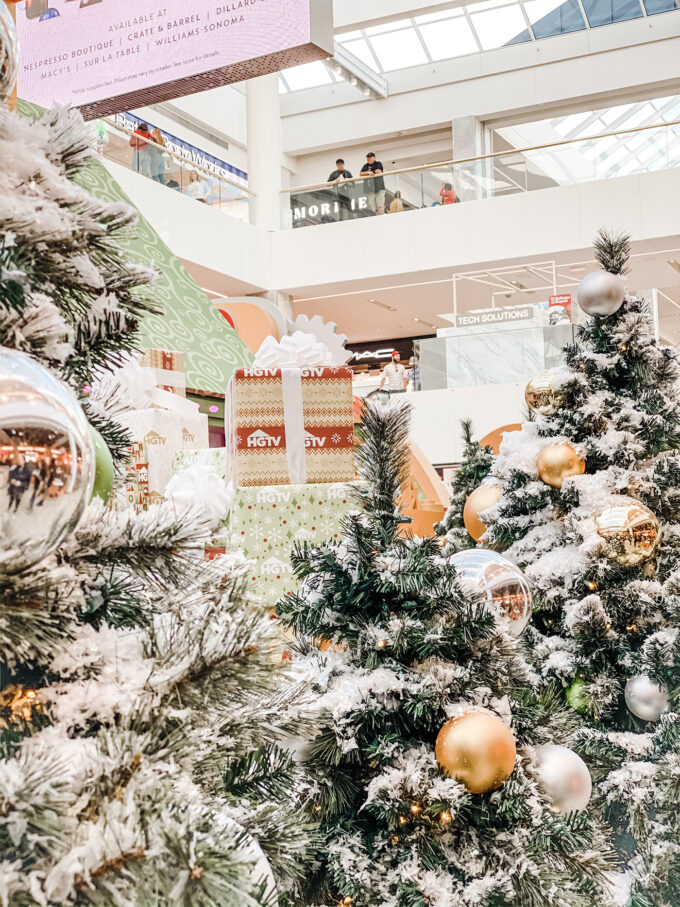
(564, 777)
(501, 583)
(601, 293)
(646, 699)
(46, 461)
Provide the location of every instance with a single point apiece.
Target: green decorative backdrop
(190, 322)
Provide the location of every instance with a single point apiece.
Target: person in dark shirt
(343, 191)
(375, 184)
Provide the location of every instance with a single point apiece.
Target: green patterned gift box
(266, 521)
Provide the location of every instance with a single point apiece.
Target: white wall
(525, 226)
(437, 414)
(198, 233)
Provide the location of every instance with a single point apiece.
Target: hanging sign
(105, 56)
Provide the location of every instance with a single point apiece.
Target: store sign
(185, 149)
(328, 209)
(104, 56)
(502, 315)
(562, 302)
(372, 354)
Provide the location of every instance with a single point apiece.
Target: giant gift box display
(290, 441)
(266, 522)
(290, 425)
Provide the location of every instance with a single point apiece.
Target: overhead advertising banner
(105, 56)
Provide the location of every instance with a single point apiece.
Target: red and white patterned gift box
(290, 425)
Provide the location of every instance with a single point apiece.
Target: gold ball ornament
(541, 395)
(478, 749)
(487, 495)
(558, 462)
(630, 530)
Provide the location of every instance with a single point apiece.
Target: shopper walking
(157, 155)
(375, 184)
(394, 375)
(141, 162)
(343, 190)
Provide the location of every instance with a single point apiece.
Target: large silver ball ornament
(601, 293)
(564, 777)
(500, 582)
(9, 52)
(646, 699)
(46, 461)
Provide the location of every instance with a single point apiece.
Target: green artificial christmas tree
(140, 703)
(431, 763)
(474, 468)
(590, 510)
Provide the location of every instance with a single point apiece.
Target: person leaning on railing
(141, 162)
(156, 155)
(344, 189)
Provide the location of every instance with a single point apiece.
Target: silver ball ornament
(9, 53)
(500, 582)
(564, 777)
(46, 461)
(646, 699)
(601, 293)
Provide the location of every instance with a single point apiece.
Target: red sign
(564, 301)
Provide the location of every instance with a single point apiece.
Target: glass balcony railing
(175, 172)
(503, 173)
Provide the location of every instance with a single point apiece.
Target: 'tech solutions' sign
(495, 316)
(105, 56)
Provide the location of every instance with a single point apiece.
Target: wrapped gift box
(265, 522)
(157, 436)
(167, 367)
(290, 426)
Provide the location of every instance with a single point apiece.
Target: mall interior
(347, 362)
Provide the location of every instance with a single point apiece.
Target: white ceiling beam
(352, 68)
(349, 15)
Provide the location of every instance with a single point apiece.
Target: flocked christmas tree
(433, 759)
(474, 467)
(141, 702)
(590, 508)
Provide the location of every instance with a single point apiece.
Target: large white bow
(298, 350)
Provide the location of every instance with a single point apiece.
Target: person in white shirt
(394, 374)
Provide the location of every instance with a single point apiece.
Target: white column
(468, 141)
(265, 152)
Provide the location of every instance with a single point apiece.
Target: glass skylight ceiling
(458, 31)
(610, 155)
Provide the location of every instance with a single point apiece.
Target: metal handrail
(181, 157)
(483, 157)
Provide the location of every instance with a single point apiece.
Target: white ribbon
(201, 485)
(291, 387)
(298, 350)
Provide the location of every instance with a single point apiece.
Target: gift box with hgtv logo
(157, 436)
(290, 426)
(265, 522)
(167, 369)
